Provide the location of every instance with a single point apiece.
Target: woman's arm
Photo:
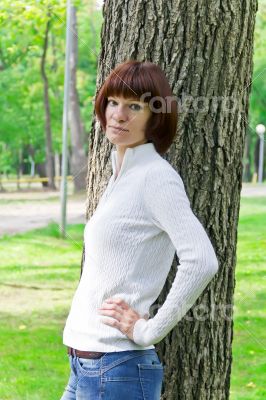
(169, 207)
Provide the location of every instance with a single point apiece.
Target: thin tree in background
(48, 131)
(79, 161)
(205, 49)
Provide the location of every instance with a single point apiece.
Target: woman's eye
(111, 102)
(134, 106)
(138, 107)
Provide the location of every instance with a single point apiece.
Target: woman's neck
(121, 152)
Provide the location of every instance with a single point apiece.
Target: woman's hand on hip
(124, 316)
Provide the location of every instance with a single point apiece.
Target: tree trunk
(257, 155)
(48, 132)
(205, 49)
(41, 171)
(19, 167)
(247, 159)
(79, 161)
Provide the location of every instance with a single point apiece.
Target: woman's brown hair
(133, 79)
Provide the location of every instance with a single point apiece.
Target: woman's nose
(120, 114)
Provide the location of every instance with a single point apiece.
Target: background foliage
(22, 29)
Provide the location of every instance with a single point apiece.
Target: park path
(253, 190)
(23, 211)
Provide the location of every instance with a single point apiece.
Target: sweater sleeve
(169, 207)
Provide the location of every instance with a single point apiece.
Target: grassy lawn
(249, 343)
(39, 274)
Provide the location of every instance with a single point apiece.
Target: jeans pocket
(151, 379)
(87, 364)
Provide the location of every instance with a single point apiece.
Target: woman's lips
(118, 129)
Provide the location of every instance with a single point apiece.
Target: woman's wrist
(138, 332)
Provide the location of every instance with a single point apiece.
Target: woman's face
(130, 117)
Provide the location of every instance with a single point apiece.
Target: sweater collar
(132, 156)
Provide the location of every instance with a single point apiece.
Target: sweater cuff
(140, 332)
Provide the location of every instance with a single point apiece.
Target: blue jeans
(122, 375)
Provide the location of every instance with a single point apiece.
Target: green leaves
(22, 30)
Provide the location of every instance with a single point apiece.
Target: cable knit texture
(142, 218)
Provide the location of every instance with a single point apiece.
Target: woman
(143, 217)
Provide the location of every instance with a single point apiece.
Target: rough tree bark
(48, 131)
(79, 161)
(205, 49)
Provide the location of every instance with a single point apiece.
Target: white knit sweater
(143, 217)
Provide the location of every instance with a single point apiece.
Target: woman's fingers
(119, 302)
(124, 317)
(110, 306)
(111, 313)
(113, 323)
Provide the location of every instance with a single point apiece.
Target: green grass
(249, 342)
(39, 274)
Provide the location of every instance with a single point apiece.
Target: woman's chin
(116, 138)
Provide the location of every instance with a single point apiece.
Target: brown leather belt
(84, 354)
